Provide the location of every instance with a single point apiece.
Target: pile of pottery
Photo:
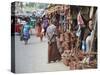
(70, 55)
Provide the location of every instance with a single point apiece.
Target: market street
(33, 57)
(70, 42)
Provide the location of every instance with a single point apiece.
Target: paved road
(33, 57)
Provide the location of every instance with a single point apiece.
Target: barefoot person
(53, 53)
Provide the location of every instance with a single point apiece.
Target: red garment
(17, 28)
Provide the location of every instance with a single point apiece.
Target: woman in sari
(53, 52)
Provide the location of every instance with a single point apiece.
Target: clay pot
(66, 62)
(73, 65)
